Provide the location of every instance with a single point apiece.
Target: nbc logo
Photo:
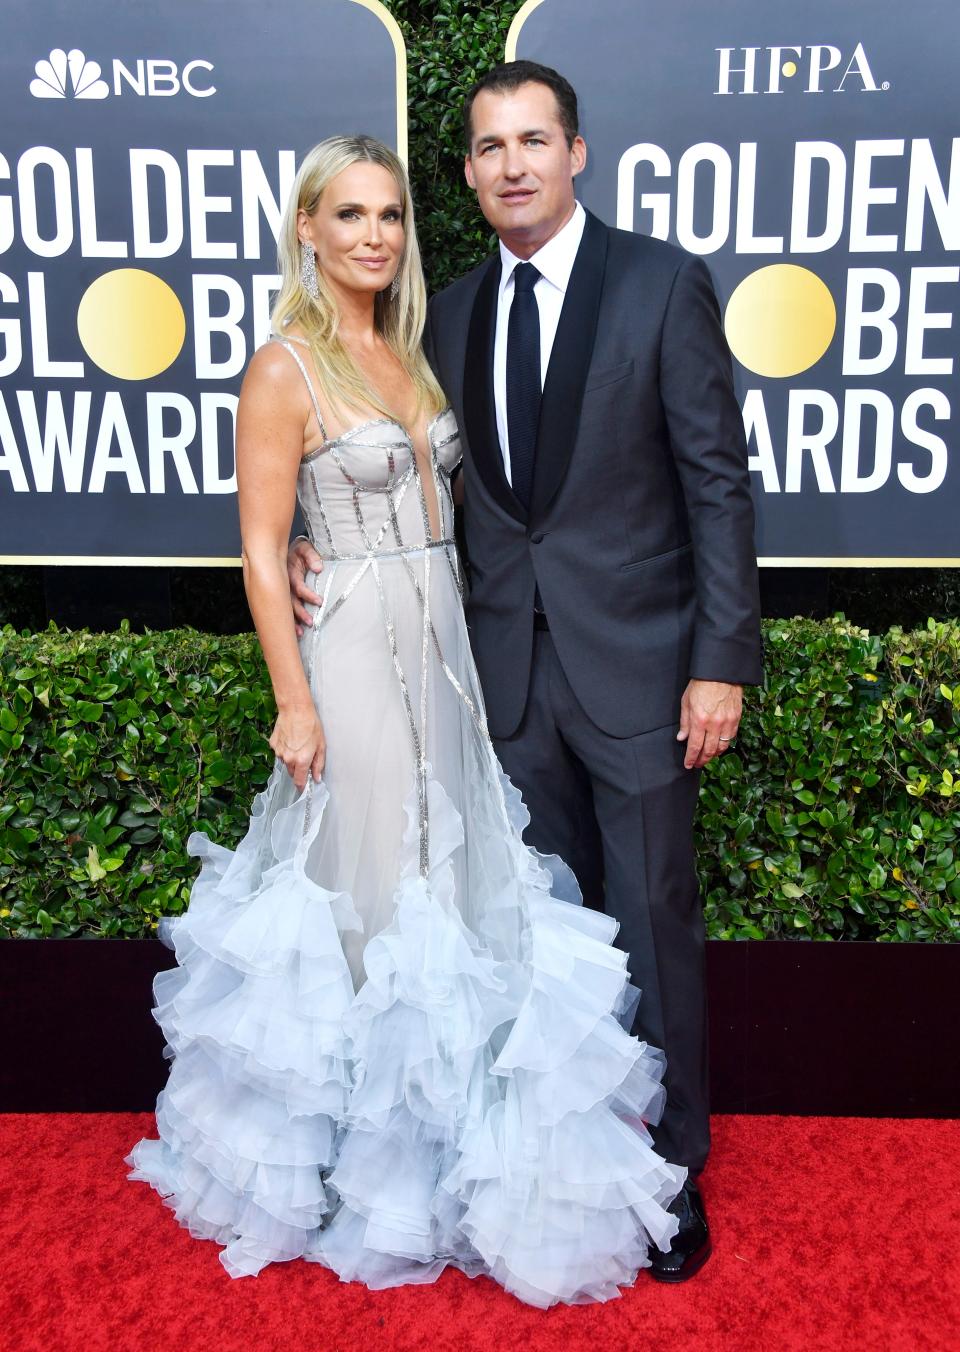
(51, 77)
(151, 77)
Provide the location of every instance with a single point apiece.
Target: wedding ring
(724, 739)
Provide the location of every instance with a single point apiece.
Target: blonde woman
(394, 1030)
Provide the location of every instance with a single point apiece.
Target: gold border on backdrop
(153, 561)
(519, 19)
(121, 560)
(396, 37)
(767, 561)
(848, 561)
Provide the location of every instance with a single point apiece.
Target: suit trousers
(620, 812)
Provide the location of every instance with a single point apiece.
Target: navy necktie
(523, 380)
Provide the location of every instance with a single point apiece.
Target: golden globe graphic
(780, 320)
(810, 158)
(146, 155)
(131, 324)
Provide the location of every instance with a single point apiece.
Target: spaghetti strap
(285, 342)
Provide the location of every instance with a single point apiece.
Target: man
(613, 607)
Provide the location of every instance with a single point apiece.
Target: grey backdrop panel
(285, 75)
(651, 73)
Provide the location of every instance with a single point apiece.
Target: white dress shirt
(554, 262)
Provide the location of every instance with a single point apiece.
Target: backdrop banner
(807, 153)
(146, 153)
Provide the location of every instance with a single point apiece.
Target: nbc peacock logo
(69, 75)
(65, 75)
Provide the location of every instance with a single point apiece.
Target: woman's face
(357, 228)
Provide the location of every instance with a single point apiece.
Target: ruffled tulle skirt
(452, 1087)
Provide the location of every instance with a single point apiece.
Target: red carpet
(828, 1232)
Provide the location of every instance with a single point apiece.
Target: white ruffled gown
(396, 1037)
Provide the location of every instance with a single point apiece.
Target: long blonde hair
(398, 319)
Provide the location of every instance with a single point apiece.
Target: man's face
(521, 166)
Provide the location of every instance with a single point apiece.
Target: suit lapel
(479, 410)
(569, 363)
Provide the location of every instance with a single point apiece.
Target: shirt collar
(555, 260)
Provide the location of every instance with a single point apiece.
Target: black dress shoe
(691, 1245)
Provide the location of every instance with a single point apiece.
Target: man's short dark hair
(509, 77)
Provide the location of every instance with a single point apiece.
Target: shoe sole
(688, 1272)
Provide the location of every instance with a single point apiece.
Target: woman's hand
(298, 740)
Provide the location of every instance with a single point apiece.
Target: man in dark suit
(613, 607)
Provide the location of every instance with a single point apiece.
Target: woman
(395, 1031)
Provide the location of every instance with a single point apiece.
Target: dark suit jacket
(640, 531)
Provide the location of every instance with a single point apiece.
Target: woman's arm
(271, 417)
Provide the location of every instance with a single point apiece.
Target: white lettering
(10, 462)
(114, 424)
(855, 401)
(10, 331)
(141, 161)
(174, 443)
(938, 401)
(818, 65)
(206, 324)
(55, 444)
(705, 152)
(919, 319)
(6, 211)
(747, 241)
(162, 81)
(211, 406)
(257, 195)
(748, 70)
(857, 318)
(926, 185)
(858, 65)
(864, 195)
(806, 153)
(201, 205)
(656, 202)
(756, 425)
(90, 245)
(814, 441)
(186, 76)
(136, 82)
(42, 363)
(776, 66)
(263, 288)
(58, 243)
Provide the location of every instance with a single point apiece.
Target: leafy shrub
(837, 815)
(834, 815)
(112, 749)
(450, 44)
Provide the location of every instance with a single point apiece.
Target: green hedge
(450, 44)
(835, 815)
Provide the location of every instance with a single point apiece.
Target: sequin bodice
(363, 492)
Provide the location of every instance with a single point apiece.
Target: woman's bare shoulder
(271, 366)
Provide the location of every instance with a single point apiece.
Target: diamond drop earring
(308, 270)
(395, 285)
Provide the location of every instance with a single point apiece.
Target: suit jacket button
(536, 537)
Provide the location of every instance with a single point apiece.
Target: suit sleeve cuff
(736, 663)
